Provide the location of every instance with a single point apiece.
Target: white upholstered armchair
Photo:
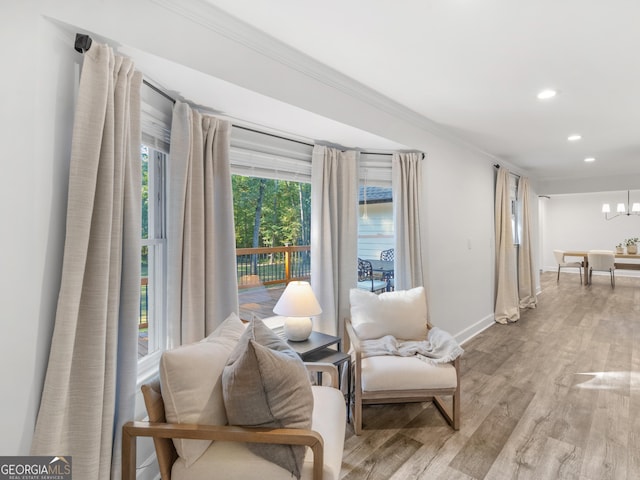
(385, 332)
(193, 406)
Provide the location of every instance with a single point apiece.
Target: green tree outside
(280, 210)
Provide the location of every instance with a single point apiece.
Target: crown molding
(222, 23)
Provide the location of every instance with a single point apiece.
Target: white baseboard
(473, 330)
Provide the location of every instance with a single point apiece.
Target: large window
(375, 213)
(153, 335)
(272, 221)
(272, 213)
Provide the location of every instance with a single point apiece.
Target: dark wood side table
(318, 348)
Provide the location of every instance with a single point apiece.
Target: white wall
(39, 74)
(460, 239)
(39, 67)
(575, 222)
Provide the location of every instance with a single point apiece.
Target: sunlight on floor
(608, 380)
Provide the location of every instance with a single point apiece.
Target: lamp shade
(620, 208)
(298, 300)
(298, 304)
(636, 207)
(606, 208)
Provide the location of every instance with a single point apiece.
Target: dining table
(384, 268)
(619, 265)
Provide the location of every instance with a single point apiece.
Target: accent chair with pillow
(239, 404)
(398, 357)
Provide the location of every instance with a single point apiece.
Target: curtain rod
(83, 43)
(497, 165)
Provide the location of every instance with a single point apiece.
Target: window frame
(156, 243)
(156, 117)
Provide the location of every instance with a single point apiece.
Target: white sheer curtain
(334, 226)
(406, 173)
(526, 269)
(202, 283)
(507, 304)
(89, 391)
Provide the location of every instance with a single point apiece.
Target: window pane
(151, 328)
(375, 222)
(272, 221)
(143, 325)
(144, 154)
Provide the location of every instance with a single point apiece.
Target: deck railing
(256, 267)
(272, 265)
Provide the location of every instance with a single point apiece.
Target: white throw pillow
(402, 313)
(191, 383)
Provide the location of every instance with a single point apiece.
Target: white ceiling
(475, 67)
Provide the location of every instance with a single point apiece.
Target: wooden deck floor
(259, 301)
(253, 301)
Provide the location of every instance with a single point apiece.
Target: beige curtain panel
(334, 219)
(406, 174)
(526, 269)
(507, 304)
(89, 391)
(201, 278)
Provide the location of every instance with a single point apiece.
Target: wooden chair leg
(558, 278)
(357, 416)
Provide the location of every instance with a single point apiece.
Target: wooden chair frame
(163, 433)
(360, 397)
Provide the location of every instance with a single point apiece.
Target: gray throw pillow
(265, 384)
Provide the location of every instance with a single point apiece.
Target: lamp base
(297, 329)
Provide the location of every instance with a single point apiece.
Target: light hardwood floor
(555, 395)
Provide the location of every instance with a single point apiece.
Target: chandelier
(621, 209)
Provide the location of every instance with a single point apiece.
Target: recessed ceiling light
(574, 138)
(589, 159)
(546, 94)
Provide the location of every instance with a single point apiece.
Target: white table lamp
(298, 304)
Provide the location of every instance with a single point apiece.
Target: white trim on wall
(220, 22)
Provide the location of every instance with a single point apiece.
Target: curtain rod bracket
(83, 43)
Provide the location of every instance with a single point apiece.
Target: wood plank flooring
(555, 395)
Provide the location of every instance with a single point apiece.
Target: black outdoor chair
(366, 280)
(388, 255)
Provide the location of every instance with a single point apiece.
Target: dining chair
(603, 261)
(559, 254)
(366, 280)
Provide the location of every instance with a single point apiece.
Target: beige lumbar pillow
(402, 314)
(265, 384)
(191, 383)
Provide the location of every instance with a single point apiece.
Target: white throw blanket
(439, 347)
